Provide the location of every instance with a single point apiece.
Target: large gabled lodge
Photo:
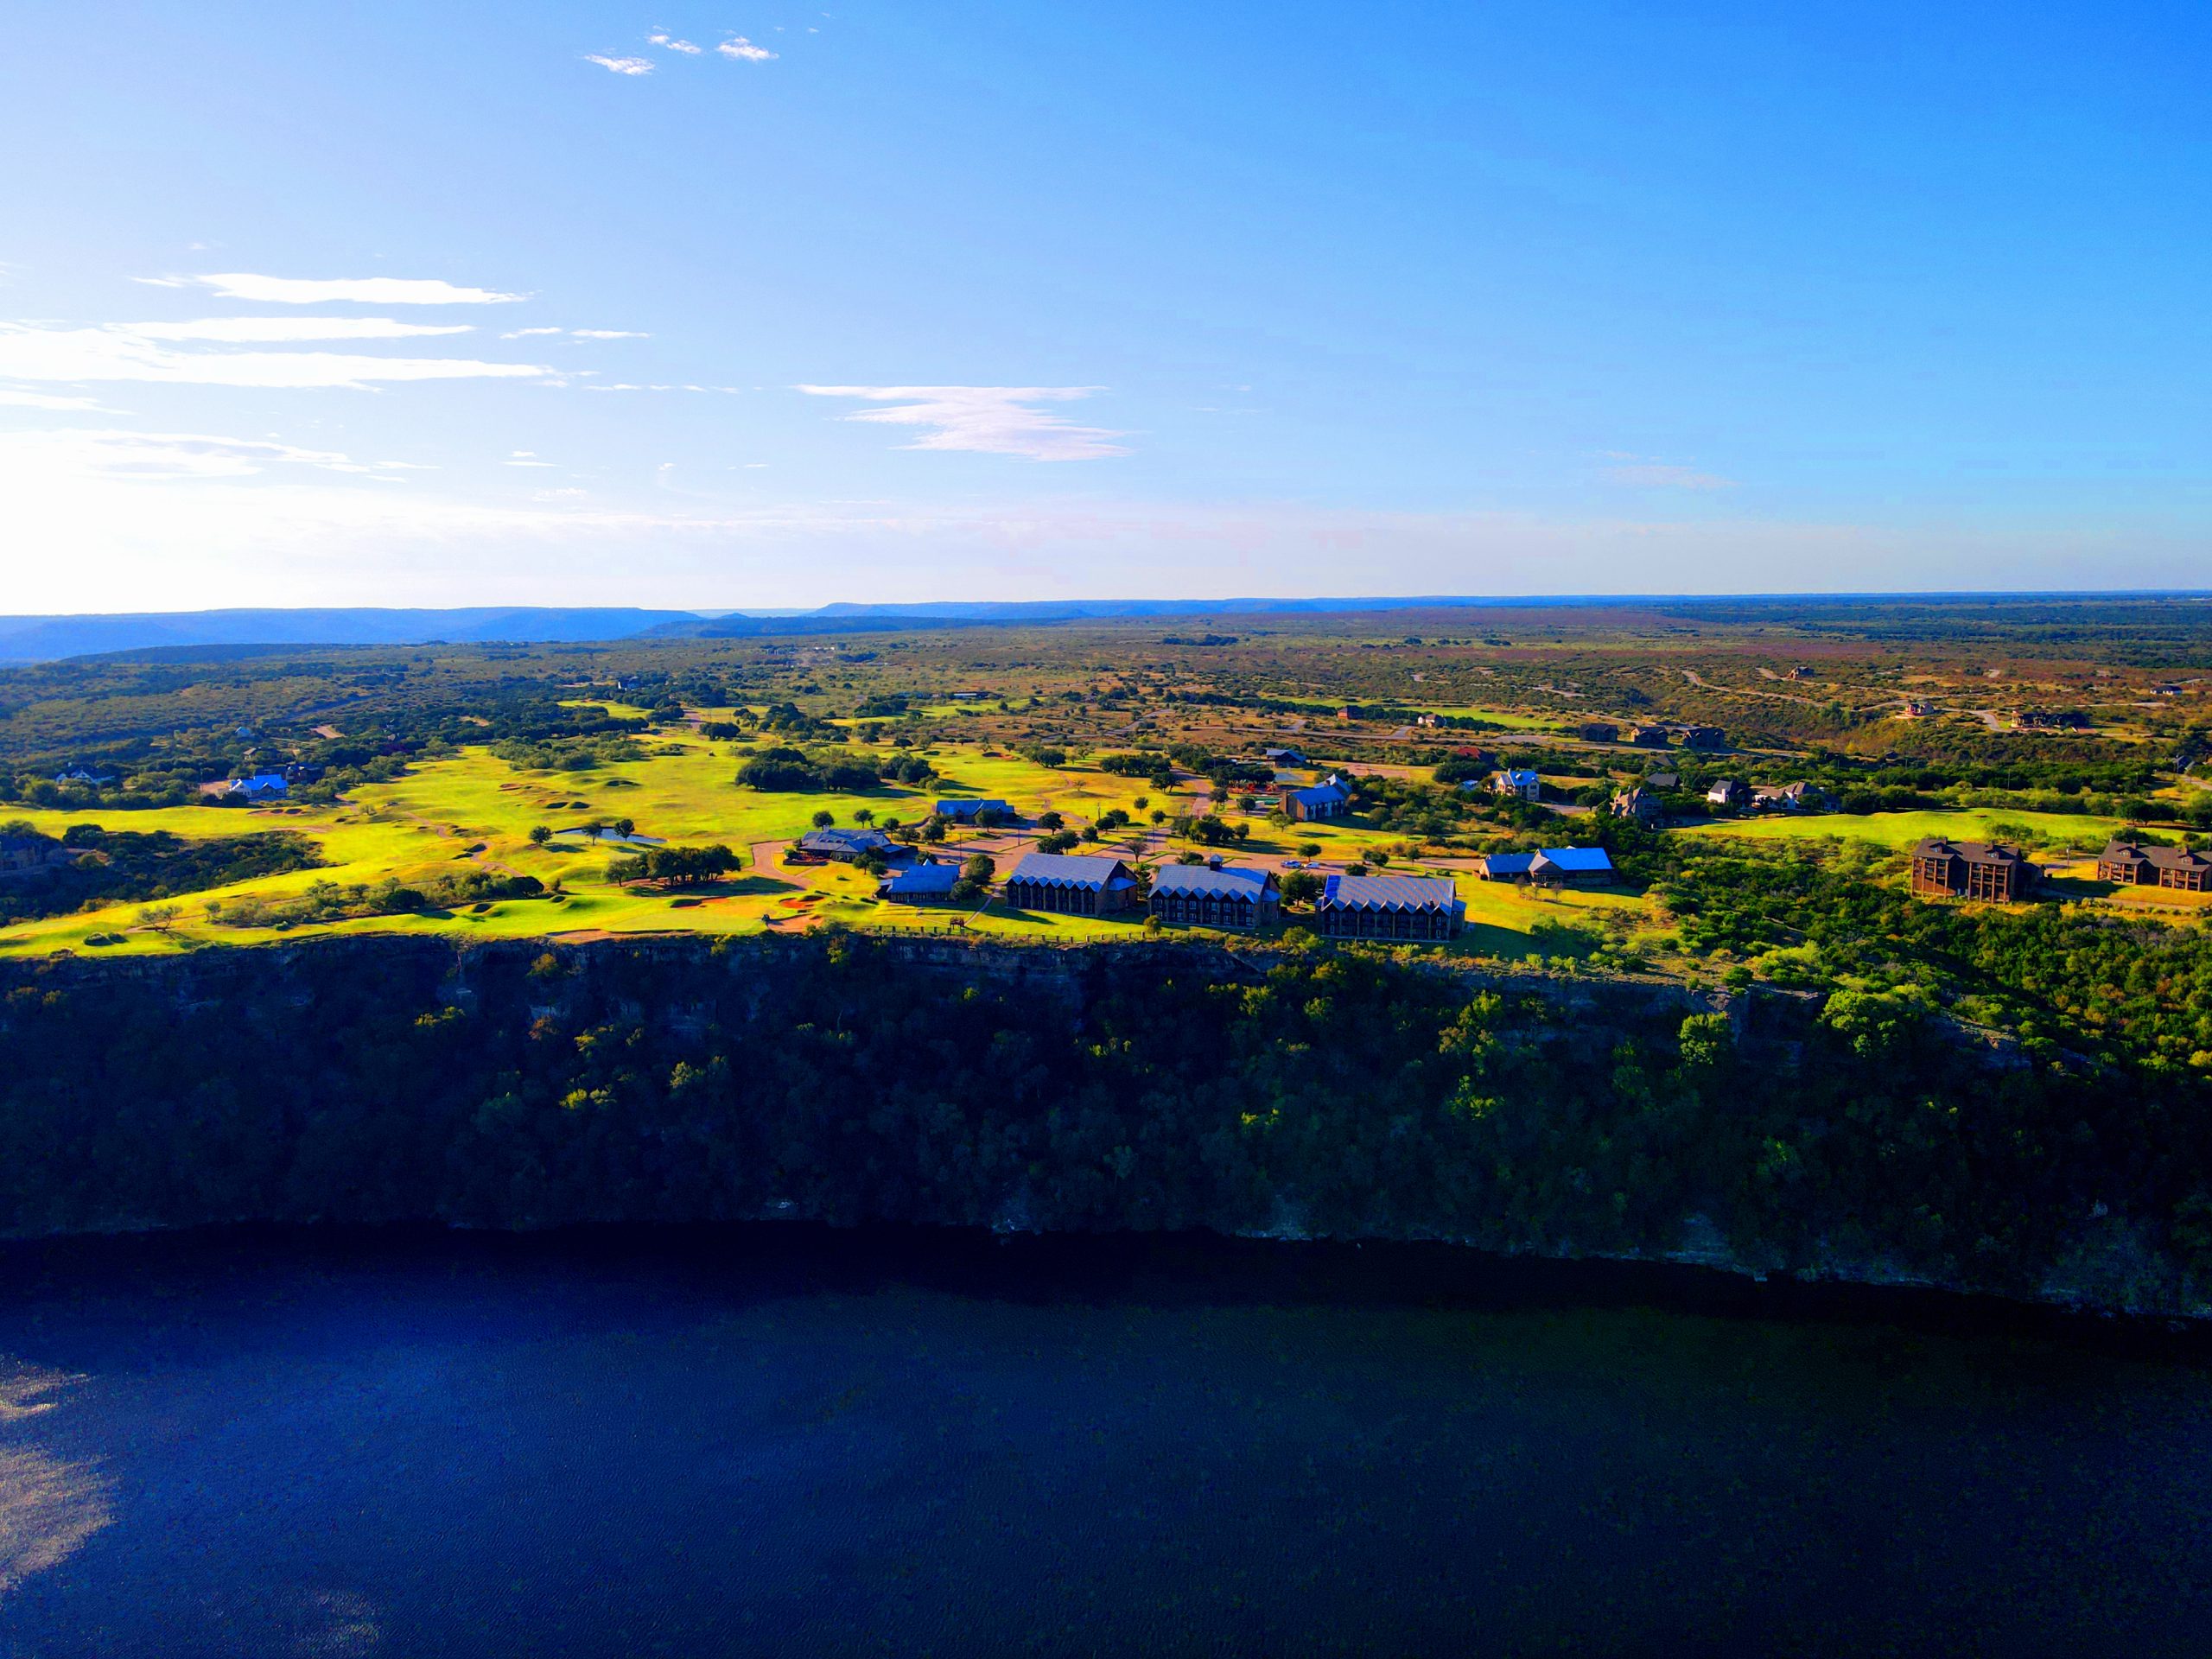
(1215, 895)
(2183, 868)
(1071, 884)
(1387, 907)
(1972, 869)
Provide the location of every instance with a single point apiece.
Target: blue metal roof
(1577, 861)
(1499, 864)
(967, 808)
(1199, 881)
(1071, 870)
(1388, 893)
(921, 880)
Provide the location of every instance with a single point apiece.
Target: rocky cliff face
(522, 1084)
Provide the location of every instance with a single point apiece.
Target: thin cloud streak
(621, 65)
(79, 355)
(984, 420)
(363, 290)
(113, 454)
(12, 399)
(271, 331)
(739, 48)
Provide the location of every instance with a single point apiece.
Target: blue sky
(412, 304)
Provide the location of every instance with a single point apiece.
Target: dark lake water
(788, 1441)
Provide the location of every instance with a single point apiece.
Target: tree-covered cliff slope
(1162, 1086)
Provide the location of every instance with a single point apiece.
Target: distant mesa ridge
(46, 638)
(43, 639)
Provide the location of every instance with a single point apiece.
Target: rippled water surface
(794, 1443)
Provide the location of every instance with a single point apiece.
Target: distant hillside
(43, 639)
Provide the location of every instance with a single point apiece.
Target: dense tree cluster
(88, 865)
(675, 867)
(786, 770)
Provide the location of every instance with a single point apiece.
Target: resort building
(1215, 895)
(1972, 869)
(1792, 798)
(1331, 799)
(919, 884)
(2183, 868)
(973, 812)
(1387, 907)
(1072, 884)
(849, 846)
(1550, 867)
(1642, 804)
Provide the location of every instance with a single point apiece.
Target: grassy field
(475, 810)
(2057, 831)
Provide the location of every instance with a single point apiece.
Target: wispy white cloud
(1639, 471)
(120, 352)
(85, 452)
(607, 333)
(364, 290)
(270, 331)
(988, 420)
(44, 400)
(674, 44)
(527, 333)
(621, 65)
(737, 47)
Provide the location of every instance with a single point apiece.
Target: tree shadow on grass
(1022, 917)
(744, 887)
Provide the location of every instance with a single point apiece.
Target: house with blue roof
(1520, 782)
(1330, 799)
(972, 811)
(1387, 907)
(1550, 867)
(919, 884)
(1214, 894)
(261, 786)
